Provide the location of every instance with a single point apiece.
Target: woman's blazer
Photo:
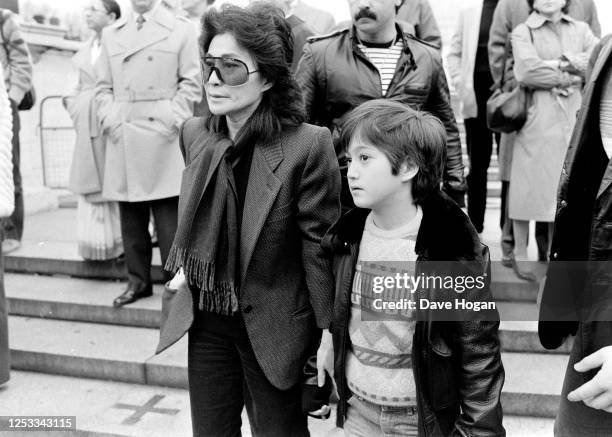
(287, 291)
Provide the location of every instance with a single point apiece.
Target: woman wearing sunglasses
(260, 189)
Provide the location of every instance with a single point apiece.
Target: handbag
(29, 98)
(507, 106)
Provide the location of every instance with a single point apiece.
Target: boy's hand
(597, 393)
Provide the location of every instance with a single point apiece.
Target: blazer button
(247, 309)
(150, 58)
(563, 203)
(151, 119)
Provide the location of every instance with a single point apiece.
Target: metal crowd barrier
(57, 139)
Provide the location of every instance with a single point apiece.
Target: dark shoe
(131, 295)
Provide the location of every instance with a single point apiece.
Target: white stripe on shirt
(385, 60)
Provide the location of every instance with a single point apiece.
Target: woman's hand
(325, 364)
(325, 357)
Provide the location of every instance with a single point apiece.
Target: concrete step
(533, 381)
(105, 408)
(61, 258)
(91, 350)
(87, 300)
(82, 300)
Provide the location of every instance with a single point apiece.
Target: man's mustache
(365, 13)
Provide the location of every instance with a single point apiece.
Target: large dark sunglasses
(230, 71)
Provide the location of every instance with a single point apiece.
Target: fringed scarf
(206, 240)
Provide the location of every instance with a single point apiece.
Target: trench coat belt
(147, 95)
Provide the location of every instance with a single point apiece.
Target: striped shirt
(384, 59)
(605, 113)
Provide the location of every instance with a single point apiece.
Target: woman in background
(7, 204)
(99, 231)
(551, 51)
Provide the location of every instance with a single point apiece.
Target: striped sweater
(379, 361)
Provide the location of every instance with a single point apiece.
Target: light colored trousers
(365, 419)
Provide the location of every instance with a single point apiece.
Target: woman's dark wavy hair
(112, 7)
(261, 29)
(564, 9)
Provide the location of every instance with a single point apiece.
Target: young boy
(409, 375)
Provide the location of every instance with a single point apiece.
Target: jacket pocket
(441, 372)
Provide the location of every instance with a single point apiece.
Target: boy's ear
(408, 171)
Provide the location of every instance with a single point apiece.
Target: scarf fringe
(219, 297)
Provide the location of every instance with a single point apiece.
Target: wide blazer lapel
(156, 29)
(262, 189)
(82, 62)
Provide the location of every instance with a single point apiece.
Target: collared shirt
(147, 15)
(536, 20)
(95, 50)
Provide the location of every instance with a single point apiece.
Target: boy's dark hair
(564, 9)
(262, 30)
(402, 134)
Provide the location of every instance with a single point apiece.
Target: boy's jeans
(365, 419)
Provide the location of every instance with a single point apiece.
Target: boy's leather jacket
(457, 365)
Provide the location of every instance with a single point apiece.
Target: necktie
(139, 22)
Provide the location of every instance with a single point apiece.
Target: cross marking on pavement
(140, 411)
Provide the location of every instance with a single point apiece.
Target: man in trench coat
(148, 81)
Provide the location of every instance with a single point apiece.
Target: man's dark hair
(112, 7)
(403, 135)
(564, 9)
(261, 29)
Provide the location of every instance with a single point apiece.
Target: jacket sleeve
(18, 57)
(104, 97)
(591, 18)
(7, 199)
(579, 61)
(595, 54)
(189, 90)
(439, 105)
(529, 69)
(453, 58)
(419, 14)
(306, 78)
(481, 372)
(427, 27)
(501, 27)
(318, 208)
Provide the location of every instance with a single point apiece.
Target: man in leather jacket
(375, 58)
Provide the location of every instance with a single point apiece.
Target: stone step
(107, 408)
(505, 285)
(88, 350)
(61, 258)
(533, 383)
(81, 300)
(87, 300)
